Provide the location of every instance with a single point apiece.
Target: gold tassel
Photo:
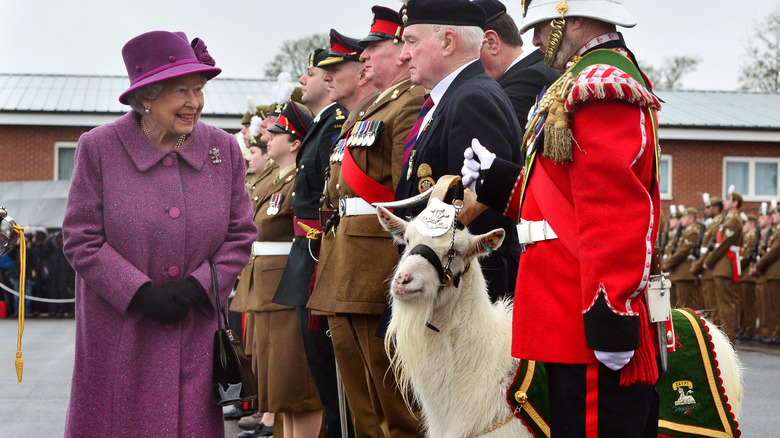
(557, 134)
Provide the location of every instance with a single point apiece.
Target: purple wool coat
(136, 214)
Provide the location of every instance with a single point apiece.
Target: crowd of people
(438, 87)
(726, 263)
(48, 275)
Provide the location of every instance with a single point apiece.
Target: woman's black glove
(161, 303)
(188, 292)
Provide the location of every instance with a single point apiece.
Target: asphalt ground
(37, 406)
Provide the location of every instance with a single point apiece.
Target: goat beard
(404, 343)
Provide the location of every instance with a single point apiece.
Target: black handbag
(233, 379)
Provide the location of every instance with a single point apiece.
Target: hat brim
(374, 37)
(276, 128)
(607, 11)
(327, 62)
(173, 72)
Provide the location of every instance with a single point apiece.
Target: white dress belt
(271, 248)
(355, 207)
(529, 232)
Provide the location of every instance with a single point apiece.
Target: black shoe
(259, 431)
(234, 413)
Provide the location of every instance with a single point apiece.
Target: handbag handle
(215, 286)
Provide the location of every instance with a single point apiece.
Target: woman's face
(278, 145)
(177, 108)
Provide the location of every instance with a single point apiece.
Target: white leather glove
(614, 360)
(471, 167)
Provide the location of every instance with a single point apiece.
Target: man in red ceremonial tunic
(592, 156)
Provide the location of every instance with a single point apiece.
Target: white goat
(450, 346)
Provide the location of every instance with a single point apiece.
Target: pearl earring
(146, 110)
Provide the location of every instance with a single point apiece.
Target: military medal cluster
(365, 133)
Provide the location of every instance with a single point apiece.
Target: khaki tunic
(346, 281)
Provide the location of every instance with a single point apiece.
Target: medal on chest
(276, 204)
(338, 151)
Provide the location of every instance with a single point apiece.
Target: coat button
(167, 161)
(302, 166)
(173, 271)
(174, 212)
(337, 186)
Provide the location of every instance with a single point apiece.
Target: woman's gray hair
(149, 92)
(469, 37)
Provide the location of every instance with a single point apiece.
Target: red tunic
(611, 228)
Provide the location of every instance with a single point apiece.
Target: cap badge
(436, 219)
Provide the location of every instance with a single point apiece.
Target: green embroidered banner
(692, 402)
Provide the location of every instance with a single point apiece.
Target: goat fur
(458, 377)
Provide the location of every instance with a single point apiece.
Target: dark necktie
(412, 137)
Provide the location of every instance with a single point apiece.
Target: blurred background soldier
(723, 261)
(713, 207)
(746, 320)
(679, 260)
(768, 270)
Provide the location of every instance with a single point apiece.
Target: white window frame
(750, 196)
(666, 196)
(57, 146)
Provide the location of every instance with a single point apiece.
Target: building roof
(100, 94)
(719, 109)
(72, 97)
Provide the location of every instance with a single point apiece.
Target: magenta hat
(158, 55)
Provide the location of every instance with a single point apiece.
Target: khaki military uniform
(678, 263)
(746, 320)
(769, 267)
(708, 242)
(723, 266)
(284, 381)
(356, 259)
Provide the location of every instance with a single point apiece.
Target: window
(755, 178)
(64, 156)
(665, 177)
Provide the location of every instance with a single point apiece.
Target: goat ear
(487, 243)
(392, 223)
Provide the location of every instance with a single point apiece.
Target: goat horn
(420, 199)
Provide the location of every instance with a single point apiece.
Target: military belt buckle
(342, 206)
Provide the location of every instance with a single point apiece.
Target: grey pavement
(37, 406)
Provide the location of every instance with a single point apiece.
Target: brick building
(709, 140)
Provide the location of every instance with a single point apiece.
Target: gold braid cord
(557, 26)
(22, 270)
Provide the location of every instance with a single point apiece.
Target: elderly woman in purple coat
(155, 196)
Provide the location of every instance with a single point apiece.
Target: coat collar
(392, 94)
(531, 59)
(145, 154)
